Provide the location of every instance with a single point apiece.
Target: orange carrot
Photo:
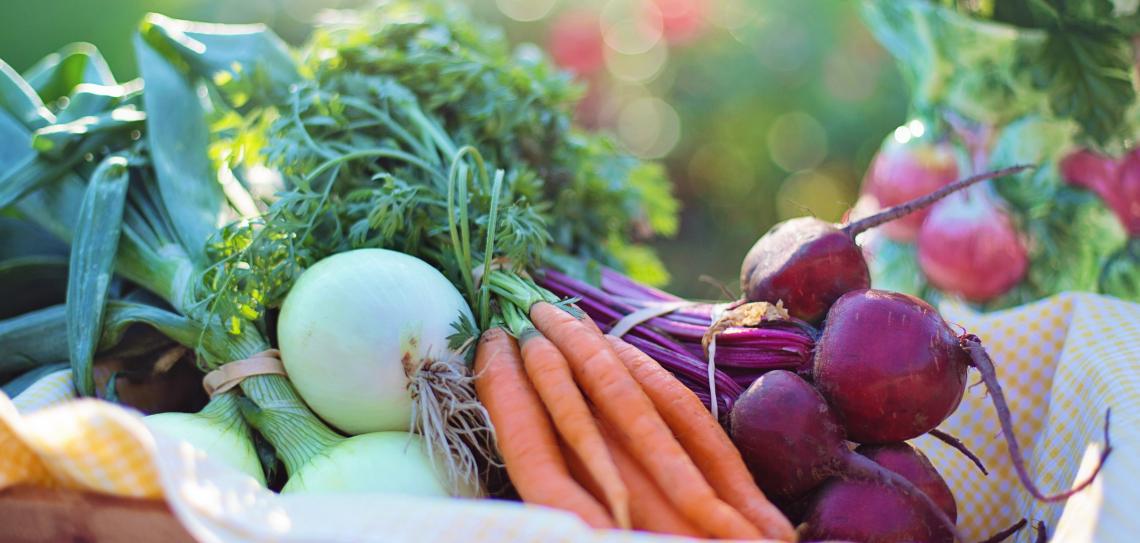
(705, 441)
(637, 425)
(649, 509)
(550, 374)
(524, 433)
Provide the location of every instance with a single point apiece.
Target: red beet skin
(900, 173)
(852, 510)
(805, 262)
(969, 246)
(889, 366)
(909, 462)
(793, 452)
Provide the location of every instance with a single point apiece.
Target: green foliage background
(778, 116)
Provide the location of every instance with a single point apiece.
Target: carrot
(524, 433)
(550, 374)
(705, 441)
(649, 509)
(638, 426)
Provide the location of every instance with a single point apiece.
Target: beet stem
(1006, 533)
(985, 366)
(906, 208)
(858, 467)
(961, 447)
(1042, 535)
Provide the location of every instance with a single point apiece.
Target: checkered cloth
(1062, 361)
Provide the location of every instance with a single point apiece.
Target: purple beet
(792, 443)
(906, 375)
(809, 263)
(851, 510)
(893, 369)
(909, 462)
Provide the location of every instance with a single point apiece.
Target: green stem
(223, 408)
(387, 121)
(277, 411)
(437, 135)
(463, 260)
(512, 288)
(489, 251)
(368, 153)
(516, 321)
(285, 421)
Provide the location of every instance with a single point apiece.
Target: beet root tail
(961, 447)
(1006, 533)
(891, 213)
(985, 366)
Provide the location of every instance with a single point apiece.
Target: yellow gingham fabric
(1062, 361)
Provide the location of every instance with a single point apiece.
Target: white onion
(218, 430)
(381, 462)
(356, 325)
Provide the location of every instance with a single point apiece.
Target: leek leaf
(20, 101)
(32, 339)
(92, 265)
(62, 140)
(178, 137)
(247, 63)
(57, 74)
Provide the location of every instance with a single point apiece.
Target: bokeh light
(631, 27)
(797, 141)
(639, 67)
(815, 193)
(649, 127)
(525, 10)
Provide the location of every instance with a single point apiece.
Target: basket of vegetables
(386, 265)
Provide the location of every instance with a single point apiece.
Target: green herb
(395, 103)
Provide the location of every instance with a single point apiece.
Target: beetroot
(792, 442)
(900, 172)
(969, 246)
(862, 511)
(892, 370)
(901, 384)
(808, 263)
(909, 462)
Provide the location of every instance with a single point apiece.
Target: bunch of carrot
(589, 424)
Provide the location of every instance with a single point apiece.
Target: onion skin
(381, 462)
(899, 173)
(969, 246)
(225, 441)
(356, 325)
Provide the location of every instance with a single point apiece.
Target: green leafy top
(392, 139)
